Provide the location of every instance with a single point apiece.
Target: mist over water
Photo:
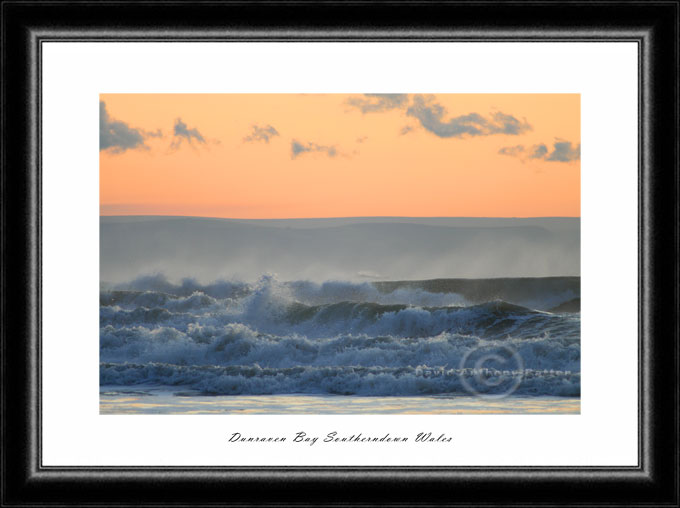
(338, 249)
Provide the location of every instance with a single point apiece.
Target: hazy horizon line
(352, 217)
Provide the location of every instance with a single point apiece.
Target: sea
(270, 346)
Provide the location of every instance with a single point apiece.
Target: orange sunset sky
(340, 155)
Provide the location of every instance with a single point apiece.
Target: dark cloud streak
(298, 148)
(182, 132)
(157, 134)
(261, 134)
(378, 102)
(538, 151)
(430, 114)
(116, 136)
(563, 151)
(514, 151)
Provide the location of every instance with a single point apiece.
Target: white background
(74, 74)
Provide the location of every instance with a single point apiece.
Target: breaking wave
(396, 338)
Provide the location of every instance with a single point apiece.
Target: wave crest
(179, 331)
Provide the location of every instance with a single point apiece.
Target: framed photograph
(302, 253)
(311, 275)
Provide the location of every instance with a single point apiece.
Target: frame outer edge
(16, 270)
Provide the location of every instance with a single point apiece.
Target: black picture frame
(653, 25)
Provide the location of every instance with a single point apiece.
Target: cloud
(298, 148)
(182, 132)
(261, 134)
(405, 130)
(514, 151)
(157, 134)
(538, 151)
(116, 136)
(378, 102)
(430, 115)
(563, 151)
